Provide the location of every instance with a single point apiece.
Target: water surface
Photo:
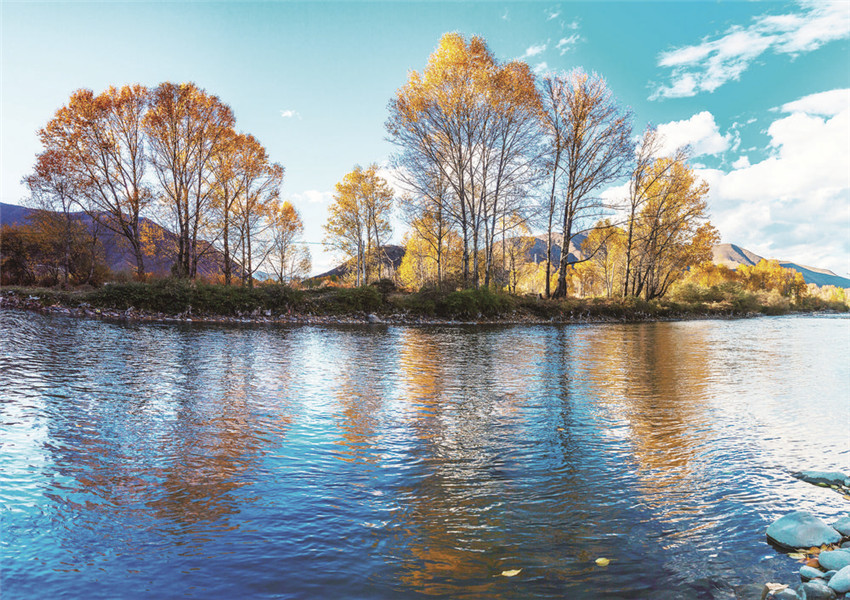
(154, 461)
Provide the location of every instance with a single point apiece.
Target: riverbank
(177, 301)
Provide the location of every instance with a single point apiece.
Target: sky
(760, 90)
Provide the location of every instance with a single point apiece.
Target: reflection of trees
(655, 378)
(166, 420)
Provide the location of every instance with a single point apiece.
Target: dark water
(160, 461)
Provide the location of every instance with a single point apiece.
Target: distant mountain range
(159, 255)
(732, 256)
(159, 259)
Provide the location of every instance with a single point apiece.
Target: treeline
(171, 154)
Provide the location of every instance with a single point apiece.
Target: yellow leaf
(775, 587)
(602, 562)
(796, 555)
(511, 573)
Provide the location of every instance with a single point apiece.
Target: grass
(181, 297)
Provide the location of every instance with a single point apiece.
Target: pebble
(800, 529)
(810, 573)
(842, 526)
(840, 582)
(814, 590)
(834, 560)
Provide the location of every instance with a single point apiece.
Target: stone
(842, 526)
(373, 318)
(824, 477)
(801, 530)
(828, 575)
(815, 590)
(810, 573)
(787, 594)
(834, 560)
(840, 582)
(750, 591)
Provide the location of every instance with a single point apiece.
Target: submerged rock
(840, 582)
(801, 530)
(834, 560)
(828, 478)
(815, 590)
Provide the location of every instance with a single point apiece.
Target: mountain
(732, 256)
(392, 258)
(159, 254)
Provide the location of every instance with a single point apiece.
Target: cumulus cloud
(288, 114)
(795, 204)
(540, 68)
(700, 132)
(706, 66)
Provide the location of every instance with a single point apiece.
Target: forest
(486, 154)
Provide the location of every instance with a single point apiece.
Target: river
(164, 460)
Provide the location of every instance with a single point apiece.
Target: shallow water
(154, 461)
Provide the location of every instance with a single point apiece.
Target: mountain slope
(732, 256)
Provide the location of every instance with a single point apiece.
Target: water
(165, 461)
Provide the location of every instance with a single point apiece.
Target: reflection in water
(393, 462)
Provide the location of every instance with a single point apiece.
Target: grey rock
(845, 545)
(828, 575)
(824, 477)
(814, 590)
(834, 560)
(842, 526)
(751, 591)
(807, 572)
(373, 318)
(786, 594)
(801, 530)
(840, 582)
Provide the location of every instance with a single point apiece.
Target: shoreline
(258, 317)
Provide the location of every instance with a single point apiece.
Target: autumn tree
(102, 147)
(358, 219)
(769, 275)
(290, 259)
(471, 123)
(227, 186)
(671, 230)
(186, 129)
(605, 247)
(594, 132)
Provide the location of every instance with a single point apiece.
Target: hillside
(732, 256)
(159, 252)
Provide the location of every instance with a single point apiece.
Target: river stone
(834, 560)
(827, 477)
(840, 582)
(807, 572)
(815, 590)
(801, 530)
(828, 575)
(751, 591)
(786, 594)
(842, 526)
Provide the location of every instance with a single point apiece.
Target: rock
(814, 590)
(842, 526)
(840, 582)
(750, 591)
(801, 530)
(828, 575)
(845, 545)
(834, 560)
(810, 573)
(373, 318)
(788, 594)
(823, 477)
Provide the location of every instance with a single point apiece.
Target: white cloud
(540, 68)
(706, 66)
(572, 25)
(742, 163)
(795, 204)
(825, 103)
(552, 13)
(566, 44)
(288, 114)
(505, 16)
(534, 50)
(700, 132)
(313, 197)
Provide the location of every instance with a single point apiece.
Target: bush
(473, 303)
(364, 298)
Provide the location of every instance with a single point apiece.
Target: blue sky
(760, 89)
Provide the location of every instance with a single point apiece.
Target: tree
(769, 275)
(671, 231)
(595, 134)
(187, 128)
(359, 219)
(290, 260)
(605, 245)
(471, 124)
(102, 147)
(227, 187)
